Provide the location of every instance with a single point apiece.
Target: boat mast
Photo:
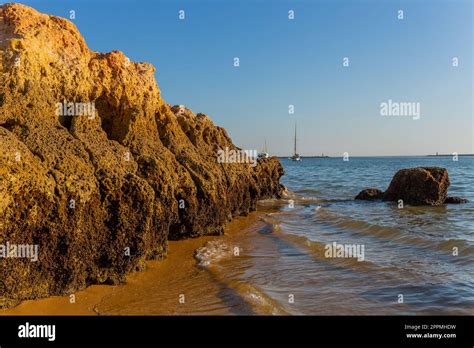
(295, 140)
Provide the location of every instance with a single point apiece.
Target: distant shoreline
(451, 155)
(440, 155)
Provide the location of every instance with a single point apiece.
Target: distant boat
(264, 153)
(322, 156)
(296, 156)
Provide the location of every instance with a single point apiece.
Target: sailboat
(264, 153)
(296, 156)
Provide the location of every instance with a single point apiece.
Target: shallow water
(409, 252)
(274, 261)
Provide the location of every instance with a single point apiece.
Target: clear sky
(300, 62)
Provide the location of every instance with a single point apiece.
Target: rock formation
(415, 186)
(95, 168)
(370, 194)
(455, 200)
(419, 186)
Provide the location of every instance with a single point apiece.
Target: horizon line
(327, 156)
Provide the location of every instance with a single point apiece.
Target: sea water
(417, 260)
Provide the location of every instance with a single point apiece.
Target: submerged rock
(455, 200)
(370, 194)
(96, 169)
(419, 186)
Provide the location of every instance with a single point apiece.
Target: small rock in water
(415, 186)
(370, 194)
(419, 186)
(455, 200)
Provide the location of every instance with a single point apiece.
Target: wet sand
(158, 290)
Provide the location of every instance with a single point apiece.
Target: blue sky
(299, 62)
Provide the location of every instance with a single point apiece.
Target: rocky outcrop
(95, 168)
(415, 186)
(370, 194)
(419, 186)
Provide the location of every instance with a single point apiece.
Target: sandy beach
(154, 291)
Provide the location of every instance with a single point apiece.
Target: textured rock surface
(419, 186)
(455, 200)
(87, 188)
(370, 194)
(415, 186)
